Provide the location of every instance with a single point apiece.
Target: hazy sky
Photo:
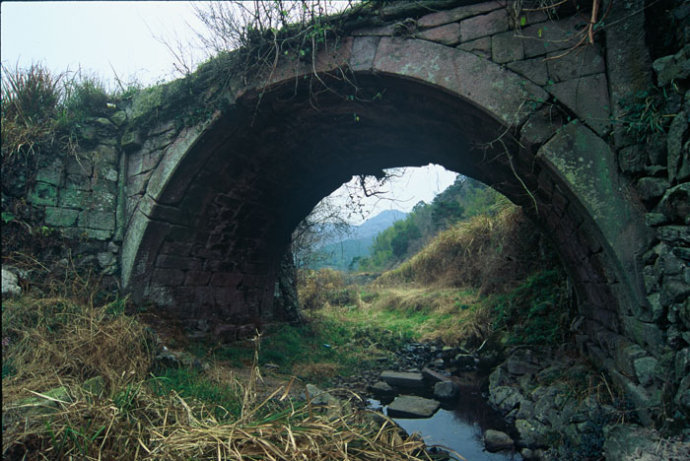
(127, 37)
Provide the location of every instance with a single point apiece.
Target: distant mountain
(373, 226)
(340, 249)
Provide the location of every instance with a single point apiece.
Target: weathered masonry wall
(80, 196)
(193, 212)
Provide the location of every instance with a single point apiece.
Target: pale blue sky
(126, 36)
(94, 36)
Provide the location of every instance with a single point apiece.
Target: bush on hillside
(316, 288)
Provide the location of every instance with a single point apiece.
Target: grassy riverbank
(83, 381)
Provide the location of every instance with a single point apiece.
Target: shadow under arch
(212, 239)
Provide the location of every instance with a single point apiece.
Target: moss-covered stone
(61, 217)
(43, 194)
(99, 220)
(119, 118)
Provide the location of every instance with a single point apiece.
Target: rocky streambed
(522, 403)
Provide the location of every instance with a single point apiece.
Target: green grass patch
(189, 383)
(536, 311)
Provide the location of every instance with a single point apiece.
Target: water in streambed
(458, 426)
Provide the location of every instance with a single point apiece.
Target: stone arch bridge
(200, 213)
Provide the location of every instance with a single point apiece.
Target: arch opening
(216, 234)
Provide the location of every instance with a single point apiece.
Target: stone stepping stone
(496, 441)
(403, 379)
(411, 406)
(434, 376)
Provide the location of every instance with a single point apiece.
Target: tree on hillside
(463, 199)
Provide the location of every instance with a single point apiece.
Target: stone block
(226, 279)
(403, 379)
(137, 184)
(446, 390)
(480, 46)
(682, 363)
(203, 296)
(106, 259)
(61, 217)
(679, 235)
(167, 277)
(499, 91)
(542, 38)
(410, 406)
(588, 97)
(104, 155)
(78, 181)
(531, 432)
(100, 200)
(178, 262)
(456, 14)
(43, 194)
(79, 165)
(382, 31)
(651, 190)
(645, 333)
(585, 60)
(381, 388)
(433, 376)
(496, 441)
(675, 204)
(505, 47)
(119, 118)
(673, 290)
(96, 234)
(100, 220)
(632, 159)
(673, 67)
(540, 126)
(197, 278)
(647, 404)
(51, 174)
(445, 35)
(645, 370)
(10, 283)
(363, 53)
(674, 144)
(533, 69)
(481, 26)
(131, 141)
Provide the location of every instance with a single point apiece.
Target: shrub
(316, 288)
(537, 311)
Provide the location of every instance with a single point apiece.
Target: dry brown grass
(57, 343)
(491, 253)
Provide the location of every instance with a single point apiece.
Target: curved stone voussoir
(505, 95)
(585, 164)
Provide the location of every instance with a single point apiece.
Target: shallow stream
(458, 426)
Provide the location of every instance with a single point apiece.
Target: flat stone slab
(434, 376)
(410, 406)
(403, 379)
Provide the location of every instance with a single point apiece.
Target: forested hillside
(462, 200)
